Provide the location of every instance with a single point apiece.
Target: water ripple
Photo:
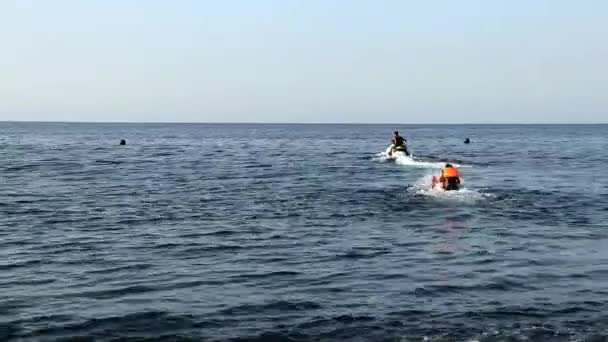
(301, 234)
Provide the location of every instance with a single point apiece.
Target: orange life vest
(450, 172)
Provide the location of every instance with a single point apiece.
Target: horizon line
(300, 123)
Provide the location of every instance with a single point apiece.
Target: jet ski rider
(399, 144)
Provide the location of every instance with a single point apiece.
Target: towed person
(449, 179)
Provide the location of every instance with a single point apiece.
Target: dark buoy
(467, 141)
(123, 142)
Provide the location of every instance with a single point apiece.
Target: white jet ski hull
(395, 155)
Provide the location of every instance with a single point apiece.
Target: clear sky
(424, 61)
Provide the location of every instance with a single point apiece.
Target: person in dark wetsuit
(399, 144)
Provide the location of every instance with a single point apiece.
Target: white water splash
(424, 186)
(411, 161)
(402, 159)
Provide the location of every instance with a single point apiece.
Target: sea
(284, 232)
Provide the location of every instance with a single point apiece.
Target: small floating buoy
(467, 141)
(123, 142)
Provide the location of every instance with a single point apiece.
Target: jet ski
(394, 153)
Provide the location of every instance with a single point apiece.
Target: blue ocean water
(302, 233)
